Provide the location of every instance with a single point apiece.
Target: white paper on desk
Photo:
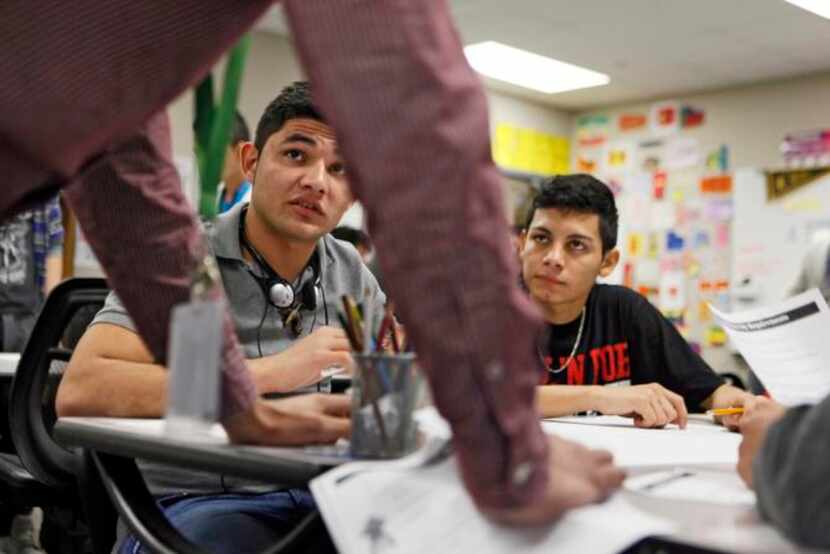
(700, 443)
(392, 511)
(713, 487)
(787, 345)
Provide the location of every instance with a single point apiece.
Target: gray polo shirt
(341, 272)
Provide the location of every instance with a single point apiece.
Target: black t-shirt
(626, 340)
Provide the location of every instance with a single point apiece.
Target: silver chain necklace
(573, 350)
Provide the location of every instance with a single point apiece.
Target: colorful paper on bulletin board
(653, 249)
(664, 118)
(681, 152)
(650, 155)
(674, 242)
(701, 240)
(717, 184)
(636, 242)
(718, 209)
(619, 156)
(691, 117)
(672, 291)
(588, 161)
(658, 185)
(592, 130)
(722, 235)
(627, 122)
(693, 269)
(717, 161)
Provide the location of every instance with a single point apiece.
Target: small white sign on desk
(787, 345)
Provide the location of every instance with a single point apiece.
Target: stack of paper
(787, 345)
(418, 504)
(391, 510)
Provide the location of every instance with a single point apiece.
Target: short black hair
(240, 132)
(583, 194)
(352, 235)
(294, 101)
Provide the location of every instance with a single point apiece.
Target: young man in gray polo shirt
(284, 277)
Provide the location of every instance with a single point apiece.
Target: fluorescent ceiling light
(818, 7)
(530, 70)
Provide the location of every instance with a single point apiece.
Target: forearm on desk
(562, 400)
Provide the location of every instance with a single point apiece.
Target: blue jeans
(236, 523)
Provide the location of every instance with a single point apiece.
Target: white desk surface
(719, 526)
(8, 363)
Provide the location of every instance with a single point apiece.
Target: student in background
(605, 347)
(300, 192)
(31, 249)
(356, 238)
(234, 188)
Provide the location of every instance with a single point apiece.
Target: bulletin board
(676, 202)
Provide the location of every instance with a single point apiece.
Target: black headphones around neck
(277, 291)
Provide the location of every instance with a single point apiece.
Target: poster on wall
(628, 122)
(530, 150)
(592, 130)
(619, 156)
(691, 117)
(649, 155)
(681, 153)
(664, 118)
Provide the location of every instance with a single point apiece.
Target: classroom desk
(146, 439)
(717, 527)
(722, 527)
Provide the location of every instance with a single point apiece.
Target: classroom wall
(751, 120)
(523, 113)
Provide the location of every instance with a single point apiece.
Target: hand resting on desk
(650, 405)
(577, 476)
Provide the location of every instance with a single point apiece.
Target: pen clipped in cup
(385, 391)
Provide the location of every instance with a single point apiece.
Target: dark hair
(240, 130)
(294, 101)
(584, 194)
(352, 235)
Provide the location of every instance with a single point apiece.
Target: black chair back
(31, 401)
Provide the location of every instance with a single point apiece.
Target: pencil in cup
(390, 383)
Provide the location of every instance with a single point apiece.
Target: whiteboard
(770, 238)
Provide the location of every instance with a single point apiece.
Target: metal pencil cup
(385, 391)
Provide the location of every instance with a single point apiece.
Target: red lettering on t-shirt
(609, 370)
(576, 370)
(623, 363)
(599, 363)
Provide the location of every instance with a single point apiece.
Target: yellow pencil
(725, 411)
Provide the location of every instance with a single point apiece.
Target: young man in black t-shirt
(602, 335)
